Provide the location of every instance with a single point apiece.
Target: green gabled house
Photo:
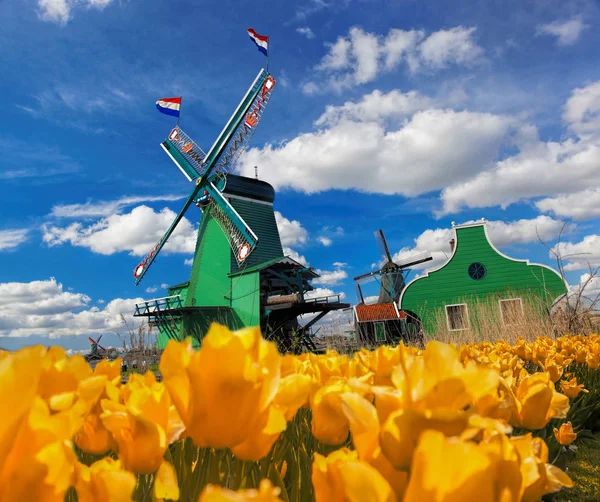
(479, 274)
(268, 289)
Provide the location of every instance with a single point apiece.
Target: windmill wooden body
(240, 276)
(382, 321)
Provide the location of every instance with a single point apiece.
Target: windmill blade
(259, 96)
(368, 277)
(144, 265)
(240, 236)
(92, 341)
(99, 338)
(415, 260)
(383, 247)
(185, 153)
(232, 140)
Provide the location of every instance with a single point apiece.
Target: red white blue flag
(170, 106)
(262, 42)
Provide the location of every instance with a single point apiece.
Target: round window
(477, 271)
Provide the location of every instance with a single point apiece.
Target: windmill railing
(158, 305)
(324, 299)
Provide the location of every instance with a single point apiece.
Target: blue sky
(403, 115)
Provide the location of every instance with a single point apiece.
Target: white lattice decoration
(238, 243)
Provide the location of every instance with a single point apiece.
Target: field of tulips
(237, 421)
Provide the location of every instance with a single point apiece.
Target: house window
(511, 310)
(457, 317)
(477, 271)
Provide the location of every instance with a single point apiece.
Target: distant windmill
(97, 351)
(391, 274)
(382, 321)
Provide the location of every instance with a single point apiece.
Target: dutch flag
(170, 106)
(262, 42)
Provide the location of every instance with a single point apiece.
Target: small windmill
(208, 171)
(382, 321)
(97, 351)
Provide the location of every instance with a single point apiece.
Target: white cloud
(446, 47)
(153, 289)
(135, 232)
(10, 239)
(369, 300)
(291, 232)
(580, 255)
(582, 110)
(105, 208)
(442, 146)
(340, 264)
(375, 107)
(583, 205)
(164, 285)
(44, 308)
(330, 277)
(360, 56)
(326, 241)
(540, 168)
(188, 261)
(566, 32)
(502, 234)
(59, 11)
(294, 255)
(306, 31)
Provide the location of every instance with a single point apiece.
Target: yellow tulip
(224, 405)
(93, 437)
(571, 389)
(140, 423)
(294, 393)
(539, 477)
(104, 481)
(165, 483)
(41, 462)
(19, 375)
(538, 402)
(342, 477)
(403, 428)
(329, 424)
(553, 369)
(265, 493)
(447, 469)
(365, 428)
(565, 435)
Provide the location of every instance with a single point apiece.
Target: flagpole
(179, 116)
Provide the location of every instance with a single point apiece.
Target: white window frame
(509, 300)
(468, 323)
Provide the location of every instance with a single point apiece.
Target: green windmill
(240, 276)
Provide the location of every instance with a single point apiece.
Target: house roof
(376, 312)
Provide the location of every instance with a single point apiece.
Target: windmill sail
(144, 265)
(220, 159)
(240, 236)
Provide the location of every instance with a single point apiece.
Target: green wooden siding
(261, 219)
(245, 298)
(451, 284)
(209, 283)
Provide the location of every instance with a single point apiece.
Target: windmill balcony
(158, 305)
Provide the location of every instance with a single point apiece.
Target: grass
(584, 470)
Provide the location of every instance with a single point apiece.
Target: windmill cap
(250, 188)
